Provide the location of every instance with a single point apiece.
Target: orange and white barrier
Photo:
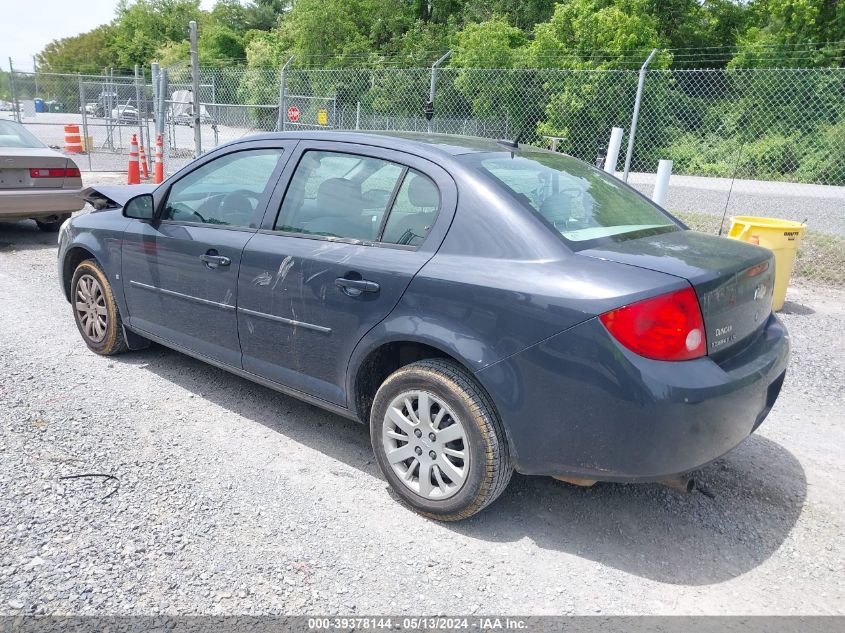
(133, 176)
(158, 173)
(73, 142)
(145, 171)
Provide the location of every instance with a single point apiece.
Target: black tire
(489, 469)
(112, 340)
(51, 225)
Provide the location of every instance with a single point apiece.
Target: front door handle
(213, 260)
(356, 287)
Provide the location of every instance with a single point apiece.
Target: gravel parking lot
(225, 497)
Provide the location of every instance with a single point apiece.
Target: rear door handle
(356, 287)
(213, 260)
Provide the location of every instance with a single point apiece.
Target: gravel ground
(228, 498)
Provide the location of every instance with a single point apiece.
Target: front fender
(80, 240)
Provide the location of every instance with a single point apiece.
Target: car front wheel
(95, 310)
(438, 440)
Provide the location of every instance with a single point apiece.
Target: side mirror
(140, 207)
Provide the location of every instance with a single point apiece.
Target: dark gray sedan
(484, 307)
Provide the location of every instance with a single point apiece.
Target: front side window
(339, 195)
(582, 203)
(225, 191)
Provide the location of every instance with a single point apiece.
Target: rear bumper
(17, 204)
(581, 405)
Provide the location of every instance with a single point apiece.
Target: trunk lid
(15, 163)
(733, 280)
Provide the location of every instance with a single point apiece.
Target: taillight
(667, 327)
(71, 172)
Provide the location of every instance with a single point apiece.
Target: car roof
(448, 144)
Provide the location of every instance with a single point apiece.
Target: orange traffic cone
(145, 170)
(158, 175)
(133, 176)
(73, 144)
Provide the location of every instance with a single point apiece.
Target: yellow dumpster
(782, 237)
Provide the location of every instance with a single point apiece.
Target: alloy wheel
(426, 445)
(91, 309)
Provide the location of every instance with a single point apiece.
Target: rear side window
(339, 195)
(413, 212)
(583, 204)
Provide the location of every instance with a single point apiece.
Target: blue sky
(27, 26)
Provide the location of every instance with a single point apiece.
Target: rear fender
(451, 338)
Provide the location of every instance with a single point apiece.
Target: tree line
(785, 124)
(483, 33)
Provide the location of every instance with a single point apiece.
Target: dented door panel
(297, 326)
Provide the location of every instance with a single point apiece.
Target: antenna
(730, 190)
(514, 144)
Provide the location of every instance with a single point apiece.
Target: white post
(358, 116)
(661, 185)
(613, 150)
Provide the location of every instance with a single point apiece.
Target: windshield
(14, 135)
(583, 204)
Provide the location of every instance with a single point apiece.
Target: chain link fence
(107, 109)
(767, 142)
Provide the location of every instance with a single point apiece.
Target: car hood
(113, 196)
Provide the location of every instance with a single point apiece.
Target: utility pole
(15, 103)
(195, 77)
(35, 74)
(428, 110)
(281, 122)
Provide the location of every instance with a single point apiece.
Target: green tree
(793, 33)
(490, 44)
(5, 87)
(602, 35)
(337, 32)
(219, 43)
(523, 14)
(506, 100)
(142, 27)
(263, 15)
(86, 53)
(596, 34)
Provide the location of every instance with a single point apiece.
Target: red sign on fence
(293, 114)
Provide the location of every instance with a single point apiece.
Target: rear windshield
(14, 135)
(583, 204)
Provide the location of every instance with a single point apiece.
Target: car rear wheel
(438, 440)
(95, 310)
(52, 223)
